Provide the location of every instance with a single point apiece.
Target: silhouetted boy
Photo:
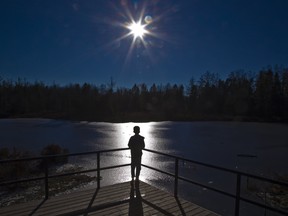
(136, 144)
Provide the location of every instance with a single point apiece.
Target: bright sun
(137, 29)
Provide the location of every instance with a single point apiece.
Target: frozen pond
(218, 143)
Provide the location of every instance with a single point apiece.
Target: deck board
(119, 199)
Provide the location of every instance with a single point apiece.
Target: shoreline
(152, 118)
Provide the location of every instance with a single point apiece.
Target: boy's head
(136, 129)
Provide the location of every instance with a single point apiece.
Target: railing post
(98, 170)
(238, 190)
(176, 177)
(46, 178)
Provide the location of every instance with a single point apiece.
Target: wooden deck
(119, 199)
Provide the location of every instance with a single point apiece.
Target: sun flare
(140, 31)
(137, 29)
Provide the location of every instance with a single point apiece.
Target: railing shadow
(38, 207)
(91, 201)
(180, 207)
(157, 208)
(95, 208)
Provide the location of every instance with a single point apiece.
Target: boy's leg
(138, 169)
(133, 168)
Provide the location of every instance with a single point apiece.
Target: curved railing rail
(238, 174)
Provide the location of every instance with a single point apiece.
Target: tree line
(241, 96)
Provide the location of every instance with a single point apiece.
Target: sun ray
(130, 50)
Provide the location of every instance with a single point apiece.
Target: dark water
(218, 143)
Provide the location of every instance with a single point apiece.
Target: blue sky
(77, 41)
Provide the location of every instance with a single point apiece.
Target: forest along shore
(239, 97)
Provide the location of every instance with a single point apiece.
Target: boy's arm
(143, 144)
(129, 143)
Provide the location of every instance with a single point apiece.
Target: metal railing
(237, 195)
(48, 176)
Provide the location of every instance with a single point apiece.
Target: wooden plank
(118, 199)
